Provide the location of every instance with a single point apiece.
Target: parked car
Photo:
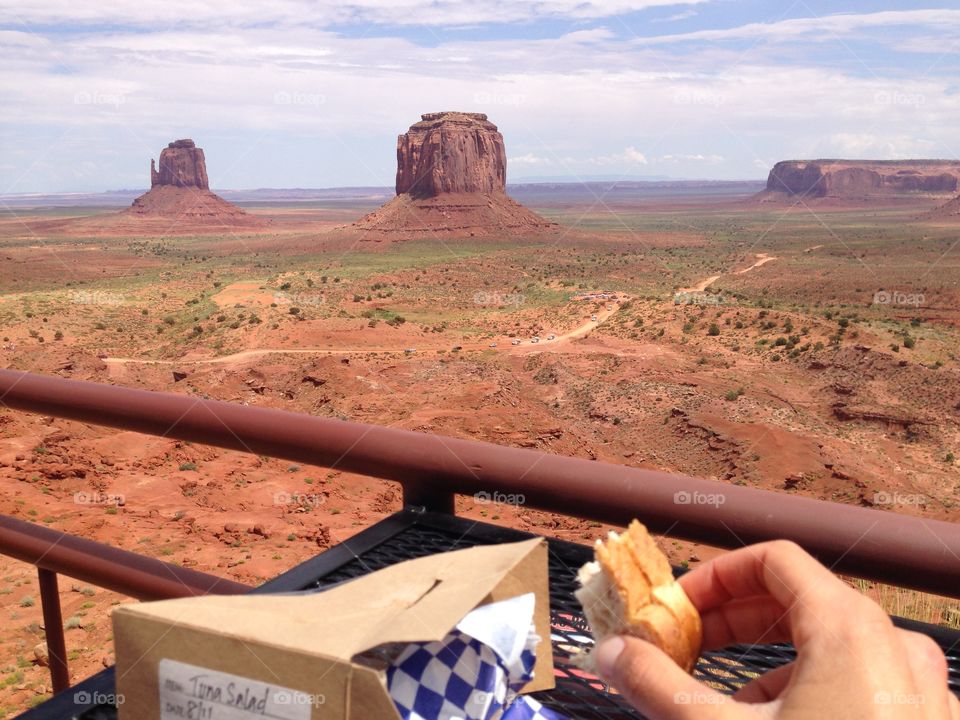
(457, 348)
(534, 339)
(551, 336)
(593, 318)
(514, 342)
(493, 345)
(410, 351)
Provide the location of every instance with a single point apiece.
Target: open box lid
(418, 600)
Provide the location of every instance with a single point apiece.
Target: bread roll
(630, 590)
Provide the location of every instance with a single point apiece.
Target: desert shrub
(714, 330)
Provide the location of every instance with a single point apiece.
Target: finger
(655, 684)
(929, 668)
(767, 687)
(754, 620)
(782, 570)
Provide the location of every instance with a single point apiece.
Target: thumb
(653, 683)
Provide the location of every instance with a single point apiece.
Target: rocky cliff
(451, 180)
(863, 179)
(182, 165)
(451, 152)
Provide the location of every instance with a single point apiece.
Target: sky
(313, 93)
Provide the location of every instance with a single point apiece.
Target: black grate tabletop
(410, 534)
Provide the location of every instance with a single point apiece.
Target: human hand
(852, 662)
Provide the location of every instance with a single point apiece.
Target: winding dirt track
(524, 347)
(762, 259)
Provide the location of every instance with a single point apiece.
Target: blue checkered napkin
(475, 672)
(526, 708)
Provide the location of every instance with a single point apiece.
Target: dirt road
(503, 344)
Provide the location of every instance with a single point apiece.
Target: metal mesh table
(412, 533)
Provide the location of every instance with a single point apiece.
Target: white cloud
(698, 158)
(676, 17)
(629, 156)
(301, 105)
(818, 28)
(318, 13)
(529, 159)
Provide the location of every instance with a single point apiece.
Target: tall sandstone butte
(862, 179)
(180, 190)
(451, 153)
(451, 180)
(182, 165)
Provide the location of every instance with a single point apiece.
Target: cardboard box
(294, 657)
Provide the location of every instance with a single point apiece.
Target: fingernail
(607, 653)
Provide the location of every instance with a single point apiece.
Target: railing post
(421, 495)
(53, 628)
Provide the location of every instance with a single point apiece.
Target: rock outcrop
(451, 180)
(451, 153)
(855, 179)
(182, 165)
(180, 191)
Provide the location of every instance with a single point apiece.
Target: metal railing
(137, 576)
(878, 545)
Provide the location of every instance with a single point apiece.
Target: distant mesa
(861, 179)
(451, 180)
(180, 190)
(182, 165)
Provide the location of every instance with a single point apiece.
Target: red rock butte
(180, 190)
(451, 180)
(861, 179)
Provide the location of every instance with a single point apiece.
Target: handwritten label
(188, 692)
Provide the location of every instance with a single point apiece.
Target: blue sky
(312, 93)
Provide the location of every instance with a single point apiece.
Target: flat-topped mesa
(181, 165)
(451, 181)
(863, 178)
(451, 152)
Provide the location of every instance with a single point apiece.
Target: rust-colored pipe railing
(884, 546)
(102, 565)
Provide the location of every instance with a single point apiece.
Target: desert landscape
(801, 337)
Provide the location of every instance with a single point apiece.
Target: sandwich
(629, 589)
